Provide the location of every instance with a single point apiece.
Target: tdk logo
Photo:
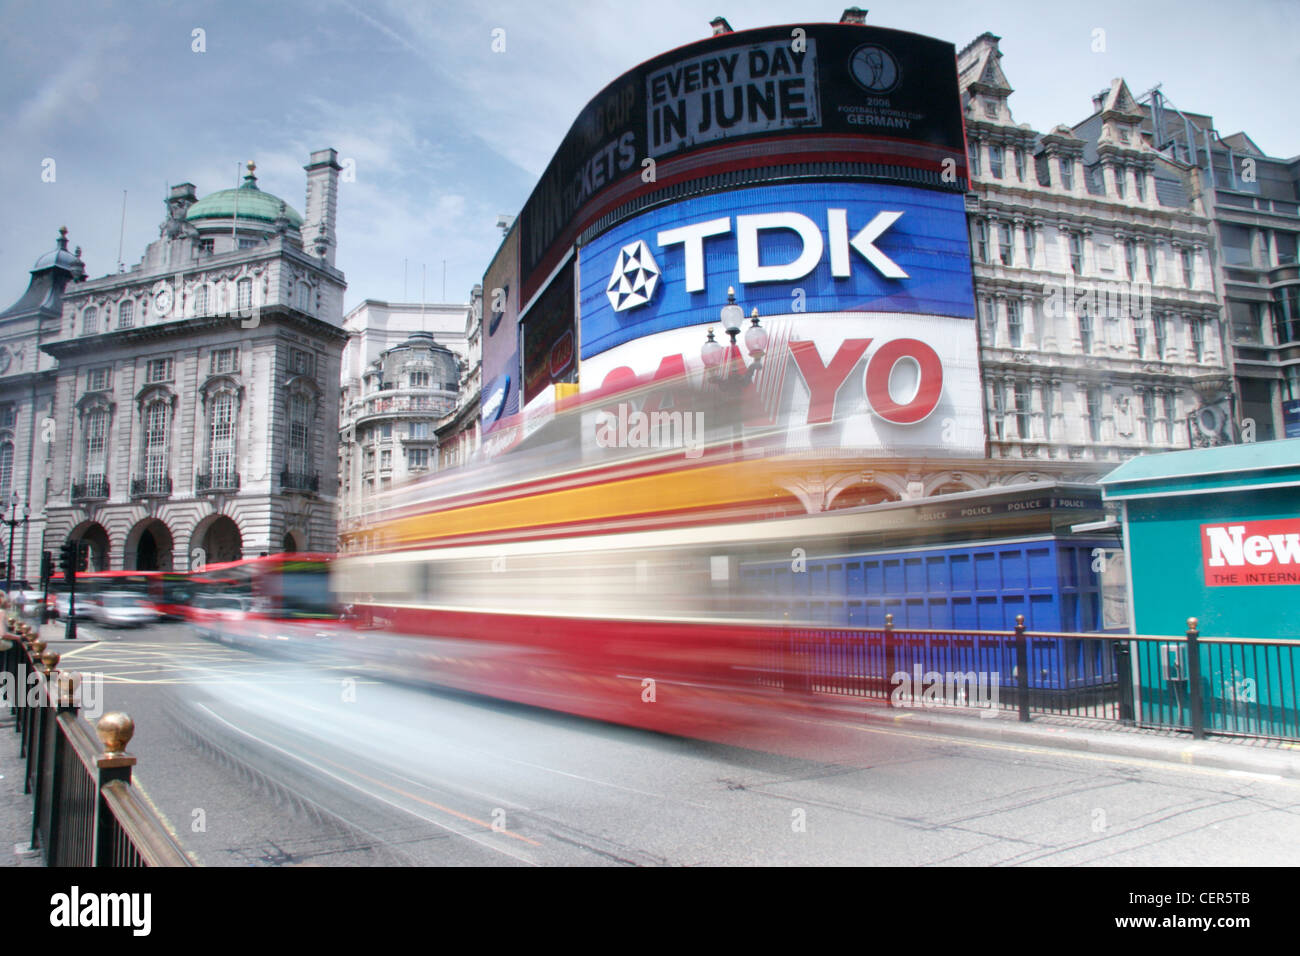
(636, 274)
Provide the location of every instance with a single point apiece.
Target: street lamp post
(13, 521)
(724, 365)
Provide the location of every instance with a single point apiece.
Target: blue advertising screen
(801, 247)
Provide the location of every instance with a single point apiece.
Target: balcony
(157, 486)
(94, 488)
(216, 481)
(299, 481)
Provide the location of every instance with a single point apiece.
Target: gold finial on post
(115, 730)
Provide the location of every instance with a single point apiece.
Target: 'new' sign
(1252, 552)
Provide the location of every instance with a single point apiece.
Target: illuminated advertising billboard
(549, 353)
(804, 247)
(885, 383)
(501, 385)
(803, 98)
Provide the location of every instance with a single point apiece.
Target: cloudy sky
(446, 134)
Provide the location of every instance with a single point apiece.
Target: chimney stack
(322, 204)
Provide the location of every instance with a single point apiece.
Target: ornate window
(1022, 409)
(1140, 183)
(99, 379)
(95, 430)
(8, 415)
(157, 435)
(224, 360)
(126, 314)
(244, 290)
(1019, 155)
(1066, 165)
(1029, 245)
(1004, 243)
(221, 439)
(1140, 335)
(304, 297)
(90, 321)
(6, 469)
(974, 152)
(995, 161)
(1131, 258)
(1076, 253)
(159, 370)
(1094, 413)
(982, 239)
(1085, 328)
(1015, 328)
(419, 380)
(1121, 174)
(417, 458)
(298, 457)
(201, 301)
(1189, 265)
(1198, 338)
(1150, 250)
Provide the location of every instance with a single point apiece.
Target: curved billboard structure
(820, 171)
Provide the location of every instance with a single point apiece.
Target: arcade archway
(148, 547)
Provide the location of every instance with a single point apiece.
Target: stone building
(1254, 200)
(1101, 333)
(184, 411)
(402, 374)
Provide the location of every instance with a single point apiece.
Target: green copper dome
(246, 202)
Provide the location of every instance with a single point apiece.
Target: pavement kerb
(1182, 750)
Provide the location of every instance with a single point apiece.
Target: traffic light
(83, 556)
(68, 558)
(47, 566)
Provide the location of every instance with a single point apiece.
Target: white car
(85, 603)
(121, 609)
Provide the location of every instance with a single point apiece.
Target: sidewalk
(16, 806)
(1103, 738)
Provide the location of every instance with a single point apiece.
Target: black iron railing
(91, 488)
(217, 481)
(299, 481)
(157, 485)
(86, 811)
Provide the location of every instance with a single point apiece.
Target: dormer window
(1066, 165)
(207, 246)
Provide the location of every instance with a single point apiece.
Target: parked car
(121, 609)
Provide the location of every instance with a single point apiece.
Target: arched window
(157, 432)
(126, 314)
(221, 440)
(90, 321)
(6, 470)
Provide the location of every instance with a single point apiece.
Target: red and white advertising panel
(881, 383)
